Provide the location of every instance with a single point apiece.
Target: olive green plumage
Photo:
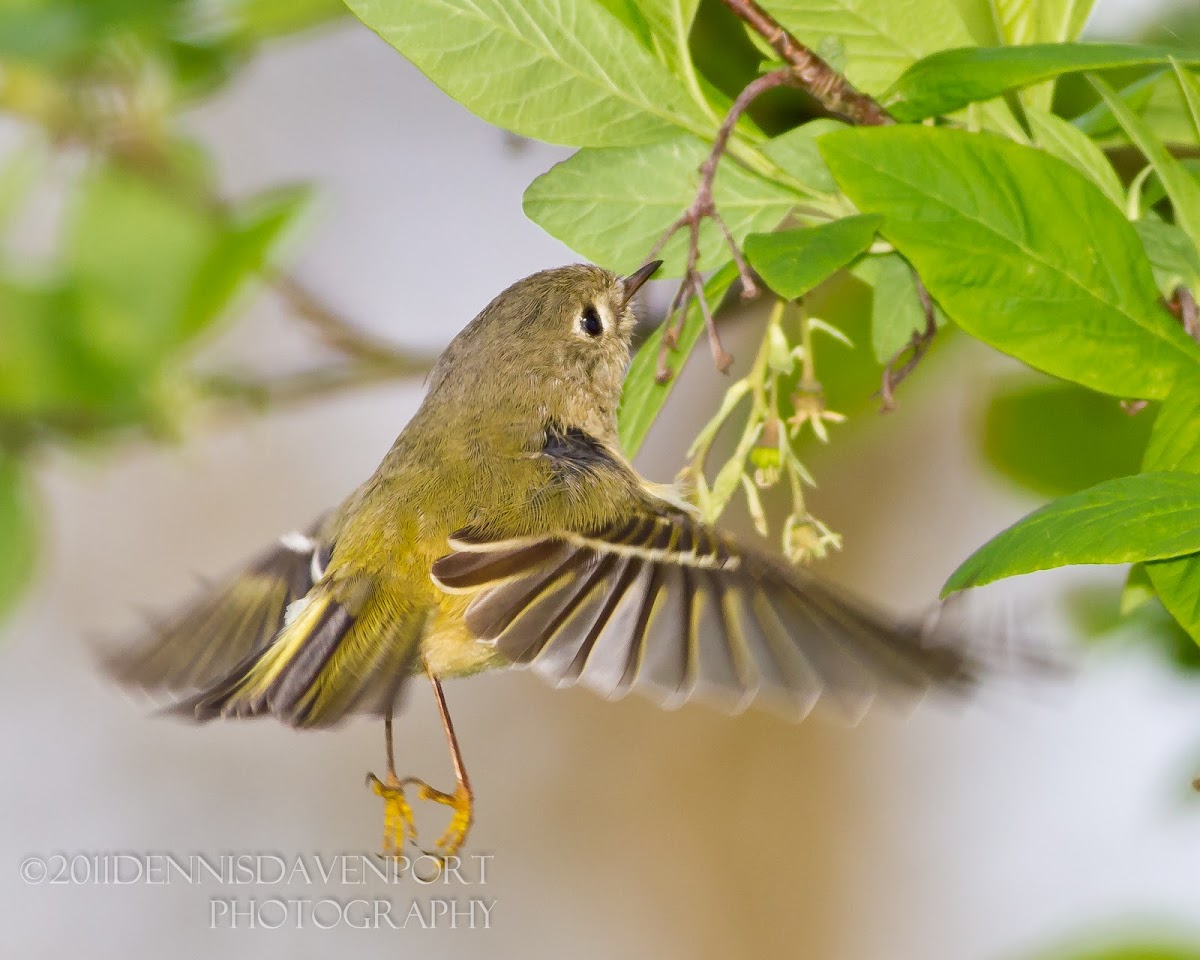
(505, 526)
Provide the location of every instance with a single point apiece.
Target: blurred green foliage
(149, 257)
(1055, 438)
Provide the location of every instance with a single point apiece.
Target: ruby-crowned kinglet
(506, 527)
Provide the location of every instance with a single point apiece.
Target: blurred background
(1044, 820)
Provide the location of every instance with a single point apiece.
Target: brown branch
(702, 208)
(294, 388)
(341, 335)
(893, 376)
(829, 87)
(805, 69)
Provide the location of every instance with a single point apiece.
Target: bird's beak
(632, 283)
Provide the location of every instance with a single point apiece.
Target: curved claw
(461, 802)
(398, 823)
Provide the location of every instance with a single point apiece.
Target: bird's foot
(461, 802)
(398, 824)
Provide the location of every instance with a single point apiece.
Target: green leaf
(1138, 589)
(1020, 250)
(950, 79)
(564, 71)
(643, 396)
(627, 12)
(1171, 254)
(1037, 21)
(1032, 21)
(1183, 190)
(1175, 445)
(613, 205)
(1067, 142)
(18, 531)
(1189, 86)
(1177, 583)
(134, 250)
(1148, 516)
(896, 310)
(1099, 123)
(1055, 438)
(793, 262)
(1175, 441)
(670, 24)
(880, 37)
(249, 243)
(796, 153)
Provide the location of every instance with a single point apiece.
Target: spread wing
(233, 621)
(665, 605)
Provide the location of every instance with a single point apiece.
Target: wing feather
(667, 606)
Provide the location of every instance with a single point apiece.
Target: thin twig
(294, 388)
(703, 207)
(827, 86)
(893, 375)
(340, 334)
(805, 69)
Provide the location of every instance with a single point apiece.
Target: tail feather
(282, 638)
(334, 656)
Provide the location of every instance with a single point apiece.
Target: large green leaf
(1021, 250)
(1056, 438)
(643, 396)
(1181, 187)
(794, 261)
(1148, 516)
(950, 79)
(564, 71)
(612, 205)
(879, 38)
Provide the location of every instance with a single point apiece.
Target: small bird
(506, 528)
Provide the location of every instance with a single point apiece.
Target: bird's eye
(590, 322)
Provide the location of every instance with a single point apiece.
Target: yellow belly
(449, 648)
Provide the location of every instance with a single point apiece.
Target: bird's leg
(398, 823)
(461, 801)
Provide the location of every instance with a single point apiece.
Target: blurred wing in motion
(281, 638)
(666, 606)
(230, 622)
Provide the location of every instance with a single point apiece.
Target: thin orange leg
(462, 800)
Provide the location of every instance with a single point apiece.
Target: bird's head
(558, 340)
